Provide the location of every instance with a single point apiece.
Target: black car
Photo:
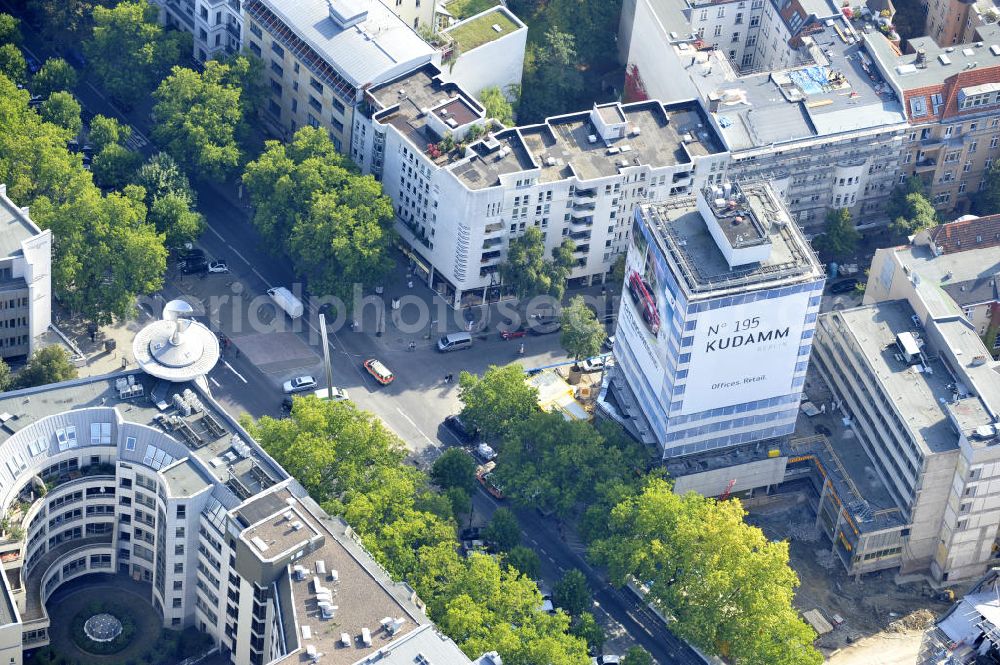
(823, 429)
(33, 64)
(286, 404)
(471, 533)
(194, 266)
(845, 286)
(464, 432)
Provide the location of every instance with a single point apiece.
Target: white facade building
(476, 62)
(575, 176)
(153, 480)
(25, 280)
(716, 323)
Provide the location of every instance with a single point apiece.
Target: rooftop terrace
(685, 239)
(562, 147)
(840, 91)
(482, 29)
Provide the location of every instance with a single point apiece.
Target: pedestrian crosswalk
(136, 141)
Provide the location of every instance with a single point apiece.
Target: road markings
(216, 383)
(233, 370)
(410, 420)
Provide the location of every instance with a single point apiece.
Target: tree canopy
(987, 201)
(454, 468)
(10, 29)
(200, 118)
(503, 530)
(47, 365)
(572, 593)
(115, 166)
(917, 213)
(498, 400)
(104, 131)
(62, 109)
(582, 334)
(6, 380)
(553, 464)
(840, 238)
(552, 78)
(727, 586)
(12, 64)
(637, 656)
(129, 52)
(310, 202)
(529, 272)
(496, 105)
(105, 251)
(56, 74)
(350, 463)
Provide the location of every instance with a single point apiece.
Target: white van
(455, 342)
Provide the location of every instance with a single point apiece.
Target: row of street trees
(726, 587)
(356, 468)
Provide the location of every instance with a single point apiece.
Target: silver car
(299, 384)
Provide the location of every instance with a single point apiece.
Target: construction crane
(729, 488)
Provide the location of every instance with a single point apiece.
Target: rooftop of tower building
(693, 250)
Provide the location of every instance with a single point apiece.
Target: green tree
(496, 105)
(896, 204)
(172, 216)
(553, 82)
(5, 378)
(105, 131)
(10, 30)
(63, 23)
(498, 400)
(200, 117)
(527, 270)
(525, 560)
(586, 627)
(56, 74)
(12, 64)
(637, 656)
(311, 203)
(582, 334)
(115, 166)
(727, 586)
(572, 593)
(62, 109)
(461, 502)
(554, 464)
(161, 175)
(617, 279)
(987, 201)
(454, 468)
(840, 238)
(129, 33)
(503, 530)
(917, 214)
(48, 365)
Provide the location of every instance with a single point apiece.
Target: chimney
(921, 60)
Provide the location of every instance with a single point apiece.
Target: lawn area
(480, 31)
(462, 9)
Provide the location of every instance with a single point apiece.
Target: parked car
(286, 404)
(606, 660)
(485, 452)
(823, 429)
(339, 395)
(464, 432)
(299, 384)
(609, 343)
(595, 364)
(544, 325)
(33, 64)
(193, 266)
(219, 267)
(487, 479)
(513, 333)
(379, 371)
(471, 533)
(845, 285)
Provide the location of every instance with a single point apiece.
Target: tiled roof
(966, 234)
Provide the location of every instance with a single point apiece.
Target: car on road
(299, 384)
(606, 660)
(595, 364)
(544, 325)
(339, 395)
(471, 533)
(823, 429)
(192, 266)
(465, 433)
(379, 371)
(513, 333)
(486, 478)
(485, 452)
(845, 285)
(218, 267)
(609, 343)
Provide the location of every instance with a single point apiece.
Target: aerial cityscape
(499, 332)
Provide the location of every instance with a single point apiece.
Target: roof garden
(483, 29)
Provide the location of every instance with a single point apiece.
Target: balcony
(584, 207)
(580, 235)
(487, 257)
(584, 196)
(233, 28)
(496, 227)
(926, 164)
(492, 242)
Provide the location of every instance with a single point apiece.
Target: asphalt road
(413, 406)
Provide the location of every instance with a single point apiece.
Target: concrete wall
(751, 475)
(928, 511)
(498, 63)
(37, 272)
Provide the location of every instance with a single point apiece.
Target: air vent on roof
(496, 27)
(945, 60)
(296, 525)
(994, 49)
(949, 49)
(626, 148)
(366, 637)
(614, 151)
(259, 544)
(451, 122)
(592, 138)
(636, 131)
(921, 60)
(968, 52)
(345, 639)
(320, 567)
